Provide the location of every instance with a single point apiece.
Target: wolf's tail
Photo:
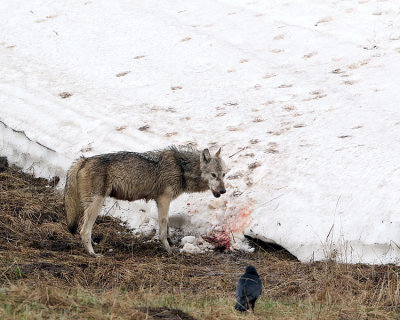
(73, 206)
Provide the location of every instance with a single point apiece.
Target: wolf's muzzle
(217, 194)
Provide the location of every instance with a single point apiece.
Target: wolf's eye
(223, 174)
(213, 175)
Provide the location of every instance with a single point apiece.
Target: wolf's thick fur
(159, 175)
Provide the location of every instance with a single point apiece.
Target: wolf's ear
(205, 155)
(218, 152)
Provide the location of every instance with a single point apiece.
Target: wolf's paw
(96, 255)
(168, 249)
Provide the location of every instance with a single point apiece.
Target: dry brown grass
(46, 274)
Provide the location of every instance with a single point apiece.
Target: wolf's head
(213, 171)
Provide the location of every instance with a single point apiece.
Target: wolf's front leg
(163, 208)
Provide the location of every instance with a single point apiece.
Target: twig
(240, 150)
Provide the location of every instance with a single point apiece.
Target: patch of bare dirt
(165, 313)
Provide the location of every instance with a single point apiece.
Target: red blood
(219, 239)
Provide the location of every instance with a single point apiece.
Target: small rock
(190, 248)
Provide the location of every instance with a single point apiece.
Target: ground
(46, 274)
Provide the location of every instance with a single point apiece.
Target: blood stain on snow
(222, 239)
(241, 221)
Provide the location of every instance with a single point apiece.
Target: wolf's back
(73, 206)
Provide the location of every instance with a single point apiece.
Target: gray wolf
(160, 175)
(248, 289)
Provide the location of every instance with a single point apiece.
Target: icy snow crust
(301, 95)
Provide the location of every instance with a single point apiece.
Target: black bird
(248, 289)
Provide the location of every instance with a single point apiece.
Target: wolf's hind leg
(89, 217)
(163, 208)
